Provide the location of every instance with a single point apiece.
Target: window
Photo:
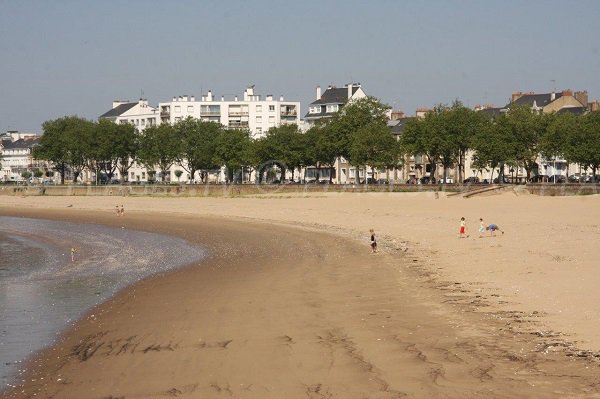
(259, 108)
(315, 109)
(271, 108)
(332, 108)
(143, 175)
(259, 119)
(190, 109)
(143, 122)
(177, 109)
(132, 175)
(271, 120)
(259, 130)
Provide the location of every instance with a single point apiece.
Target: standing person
(373, 241)
(118, 210)
(481, 227)
(122, 211)
(492, 228)
(462, 233)
(73, 250)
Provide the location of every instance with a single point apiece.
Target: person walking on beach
(492, 229)
(122, 211)
(373, 241)
(481, 227)
(462, 233)
(118, 210)
(73, 250)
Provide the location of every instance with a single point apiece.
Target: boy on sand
(462, 233)
(118, 211)
(492, 228)
(73, 250)
(481, 227)
(373, 241)
(122, 211)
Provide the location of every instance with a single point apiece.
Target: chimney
(192, 98)
(552, 96)
(516, 96)
(222, 98)
(174, 99)
(582, 97)
(269, 97)
(235, 98)
(209, 96)
(280, 98)
(185, 97)
(349, 90)
(246, 94)
(318, 92)
(567, 93)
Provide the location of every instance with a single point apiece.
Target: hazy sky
(74, 57)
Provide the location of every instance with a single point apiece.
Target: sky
(75, 57)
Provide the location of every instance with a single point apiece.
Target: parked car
(471, 180)
(427, 180)
(503, 181)
(557, 179)
(538, 179)
(590, 179)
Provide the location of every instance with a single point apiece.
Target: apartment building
(252, 111)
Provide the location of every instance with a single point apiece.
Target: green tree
(493, 146)
(584, 142)
(178, 174)
(26, 175)
(62, 144)
(283, 146)
(374, 146)
(232, 150)
(159, 146)
(198, 145)
(525, 128)
(419, 138)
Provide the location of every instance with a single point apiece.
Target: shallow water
(42, 291)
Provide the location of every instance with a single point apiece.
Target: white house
(16, 149)
(139, 113)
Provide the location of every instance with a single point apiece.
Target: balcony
(288, 113)
(236, 124)
(210, 113)
(238, 113)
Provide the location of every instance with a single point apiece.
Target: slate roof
(397, 126)
(493, 112)
(573, 110)
(335, 96)
(118, 110)
(541, 100)
(22, 143)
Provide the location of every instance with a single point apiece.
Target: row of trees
(359, 134)
(515, 138)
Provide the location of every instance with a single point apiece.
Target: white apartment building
(252, 112)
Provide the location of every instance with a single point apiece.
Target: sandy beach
(291, 303)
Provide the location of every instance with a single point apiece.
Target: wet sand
(280, 312)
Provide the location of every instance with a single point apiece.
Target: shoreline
(375, 278)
